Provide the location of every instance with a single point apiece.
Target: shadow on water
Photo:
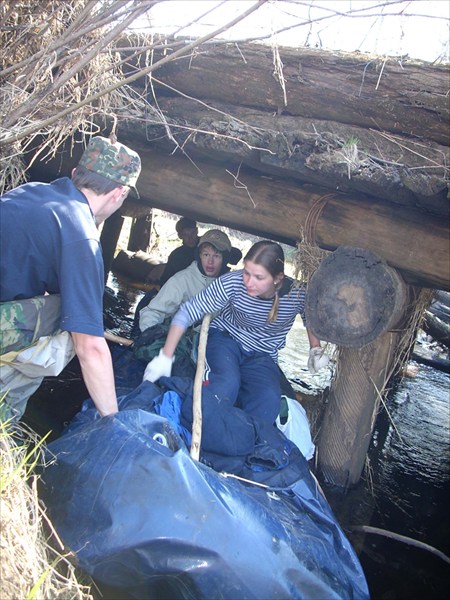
(407, 490)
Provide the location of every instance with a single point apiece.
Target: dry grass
(62, 72)
(30, 568)
(53, 55)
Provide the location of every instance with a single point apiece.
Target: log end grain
(353, 297)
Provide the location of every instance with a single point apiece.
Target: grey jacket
(180, 287)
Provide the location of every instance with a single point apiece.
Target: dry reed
(30, 567)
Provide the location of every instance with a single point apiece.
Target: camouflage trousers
(31, 348)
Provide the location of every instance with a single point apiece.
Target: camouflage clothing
(31, 347)
(114, 161)
(22, 322)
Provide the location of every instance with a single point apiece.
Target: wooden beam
(392, 94)
(414, 242)
(321, 152)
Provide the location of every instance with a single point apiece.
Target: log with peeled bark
(412, 241)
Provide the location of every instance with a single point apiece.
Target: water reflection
(412, 462)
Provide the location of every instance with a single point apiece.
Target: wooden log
(140, 234)
(412, 241)
(437, 362)
(137, 265)
(437, 328)
(352, 406)
(109, 238)
(402, 96)
(353, 297)
(440, 306)
(311, 150)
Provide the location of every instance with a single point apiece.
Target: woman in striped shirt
(257, 307)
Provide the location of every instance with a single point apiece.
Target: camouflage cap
(216, 238)
(114, 161)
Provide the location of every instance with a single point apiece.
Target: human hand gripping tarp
(160, 366)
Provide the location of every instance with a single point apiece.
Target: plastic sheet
(141, 515)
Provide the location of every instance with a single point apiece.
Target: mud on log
(311, 150)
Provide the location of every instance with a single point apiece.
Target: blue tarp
(141, 515)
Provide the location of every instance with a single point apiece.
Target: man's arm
(97, 369)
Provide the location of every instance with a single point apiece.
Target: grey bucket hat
(216, 238)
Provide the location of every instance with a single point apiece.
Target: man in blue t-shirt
(52, 274)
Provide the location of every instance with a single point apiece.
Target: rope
(401, 538)
(312, 218)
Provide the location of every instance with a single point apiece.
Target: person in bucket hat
(211, 261)
(52, 275)
(182, 257)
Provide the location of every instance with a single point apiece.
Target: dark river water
(406, 489)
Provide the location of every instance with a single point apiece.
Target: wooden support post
(140, 233)
(352, 408)
(354, 300)
(109, 239)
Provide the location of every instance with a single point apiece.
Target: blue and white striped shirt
(245, 317)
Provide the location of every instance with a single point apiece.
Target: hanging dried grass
(30, 568)
(416, 316)
(306, 259)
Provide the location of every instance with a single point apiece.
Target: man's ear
(118, 193)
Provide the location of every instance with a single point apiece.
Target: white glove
(317, 359)
(160, 366)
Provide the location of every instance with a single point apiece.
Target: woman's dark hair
(83, 178)
(269, 255)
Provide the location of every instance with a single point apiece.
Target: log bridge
(349, 150)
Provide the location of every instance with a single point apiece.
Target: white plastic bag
(296, 428)
(22, 372)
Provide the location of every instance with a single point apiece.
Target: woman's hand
(317, 359)
(160, 366)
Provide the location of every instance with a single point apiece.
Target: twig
(401, 538)
(197, 393)
(17, 134)
(117, 339)
(240, 185)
